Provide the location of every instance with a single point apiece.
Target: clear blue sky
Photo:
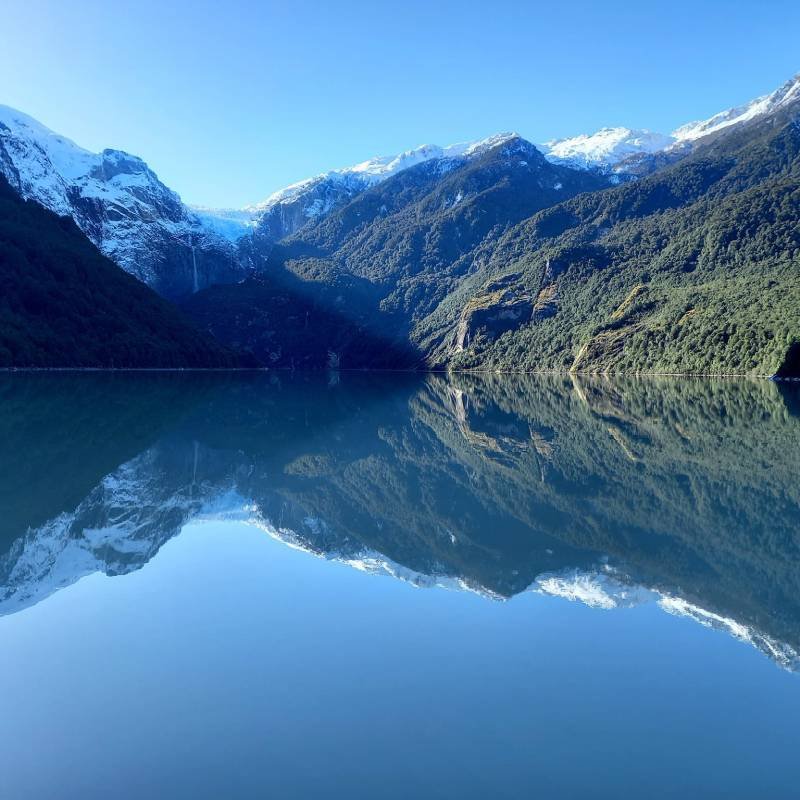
(229, 101)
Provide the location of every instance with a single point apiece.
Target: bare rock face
(501, 306)
(121, 206)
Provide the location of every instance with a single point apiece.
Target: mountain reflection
(608, 492)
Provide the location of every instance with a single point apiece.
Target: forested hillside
(375, 267)
(695, 269)
(63, 304)
(509, 262)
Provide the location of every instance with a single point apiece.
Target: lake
(347, 585)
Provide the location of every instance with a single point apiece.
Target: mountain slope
(627, 152)
(120, 204)
(277, 322)
(689, 266)
(395, 251)
(63, 304)
(288, 210)
(695, 268)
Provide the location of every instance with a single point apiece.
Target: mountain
(602, 491)
(623, 250)
(619, 151)
(391, 254)
(120, 204)
(607, 150)
(142, 225)
(288, 210)
(624, 152)
(63, 304)
(513, 260)
(692, 269)
(257, 227)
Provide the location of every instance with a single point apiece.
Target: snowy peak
(378, 169)
(384, 167)
(766, 104)
(46, 165)
(617, 149)
(137, 221)
(66, 157)
(119, 203)
(286, 211)
(607, 147)
(38, 163)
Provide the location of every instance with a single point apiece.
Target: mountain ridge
(479, 255)
(118, 201)
(618, 150)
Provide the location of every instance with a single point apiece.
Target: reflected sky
(160, 638)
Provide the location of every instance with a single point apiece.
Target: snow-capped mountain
(119, 203)
(766, 104)
(141, 224)
(617, 150)
(286, 211)
(604, 149)
(620, 150)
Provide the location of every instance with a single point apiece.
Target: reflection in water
(613, 493)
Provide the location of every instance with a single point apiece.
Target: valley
(624, 251)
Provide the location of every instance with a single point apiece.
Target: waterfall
(196, 283)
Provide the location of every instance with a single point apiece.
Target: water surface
(391, 586)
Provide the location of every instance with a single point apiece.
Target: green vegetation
(63, 304)
(695, 269)
(280, 321)
(375, 267)
(692, 269)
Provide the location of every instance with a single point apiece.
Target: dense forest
(694, 269)
(510, 263)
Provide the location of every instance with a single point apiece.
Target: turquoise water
(391, 586)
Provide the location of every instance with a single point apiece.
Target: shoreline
(432, 371)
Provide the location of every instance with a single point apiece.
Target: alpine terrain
(620, 251)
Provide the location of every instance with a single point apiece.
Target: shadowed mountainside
(63, 304)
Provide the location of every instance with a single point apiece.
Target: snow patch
(594, 589)
(766, 104)
(608, 148)
(605, 148)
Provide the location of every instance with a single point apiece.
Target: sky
(230, 101)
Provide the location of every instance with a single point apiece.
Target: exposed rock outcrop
(502, 305)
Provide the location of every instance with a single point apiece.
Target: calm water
(365, 586)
